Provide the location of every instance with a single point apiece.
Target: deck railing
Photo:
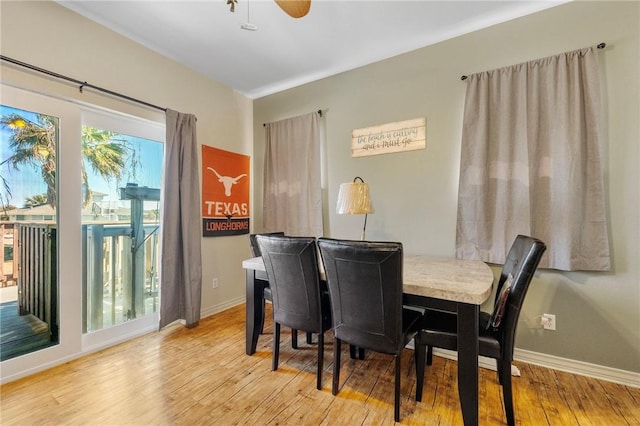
(120, 280)
(37, 275)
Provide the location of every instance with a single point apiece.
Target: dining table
(447, 284)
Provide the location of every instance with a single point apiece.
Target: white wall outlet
(214, 283)
(548, 321)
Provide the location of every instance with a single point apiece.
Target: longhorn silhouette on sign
(227, 181)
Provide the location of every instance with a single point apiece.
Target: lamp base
(364, 228)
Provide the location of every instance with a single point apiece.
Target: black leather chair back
(253, 242)
(292, 267)
(522, 261)
(365, 286)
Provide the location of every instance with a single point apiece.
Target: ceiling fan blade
(295, 8)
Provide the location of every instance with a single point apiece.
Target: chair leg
(276, 346)
(499, 370)
(396, 399)
(336, 365)
(294, 338)
(320, 358)
(352, 352)
(309, 338)
(429, 355)
(420, 366)
(262, 319)
(507, 395)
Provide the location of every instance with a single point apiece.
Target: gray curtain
(292, 198)
(531, 163)
(181, 265)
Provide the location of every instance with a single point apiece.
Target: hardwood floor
(202, 376)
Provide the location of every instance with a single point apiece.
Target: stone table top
(467, 281)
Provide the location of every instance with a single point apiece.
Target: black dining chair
(365, 286)
(498, 329)
(266, 292)
(294, 278)
(255, 252)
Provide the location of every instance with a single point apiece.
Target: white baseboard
(600, 372)
(212, 310)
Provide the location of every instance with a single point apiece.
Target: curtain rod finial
(602, 45)
(463, 78)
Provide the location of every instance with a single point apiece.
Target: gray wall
(415, 193)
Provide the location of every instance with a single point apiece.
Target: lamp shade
(354, 198)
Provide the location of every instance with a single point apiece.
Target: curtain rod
(82, 84)
(319, 112)
(599, 46)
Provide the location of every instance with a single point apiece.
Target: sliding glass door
(122, 175)
(79, 223)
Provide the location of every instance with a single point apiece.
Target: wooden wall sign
(400, 136)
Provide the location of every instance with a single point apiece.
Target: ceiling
(284, 52)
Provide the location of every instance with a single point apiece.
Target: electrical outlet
(548, 321)
(214, 283)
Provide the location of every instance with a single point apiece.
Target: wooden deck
(20, 334)
(201, 376)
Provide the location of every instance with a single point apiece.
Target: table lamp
(354, 198)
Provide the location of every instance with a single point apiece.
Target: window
(531, 163)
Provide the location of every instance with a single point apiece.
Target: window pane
(120, 223)
(28, 230)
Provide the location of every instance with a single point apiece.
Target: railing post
(95, 236)
(51, 283)
(85, 278)
(137, 255)
(126, 277)
(22, 257)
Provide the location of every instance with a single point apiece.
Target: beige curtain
(531, 163)
(292, 198)
(181, 266)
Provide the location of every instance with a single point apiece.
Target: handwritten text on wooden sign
(400, 136)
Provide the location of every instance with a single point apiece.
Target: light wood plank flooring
(202, 376)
